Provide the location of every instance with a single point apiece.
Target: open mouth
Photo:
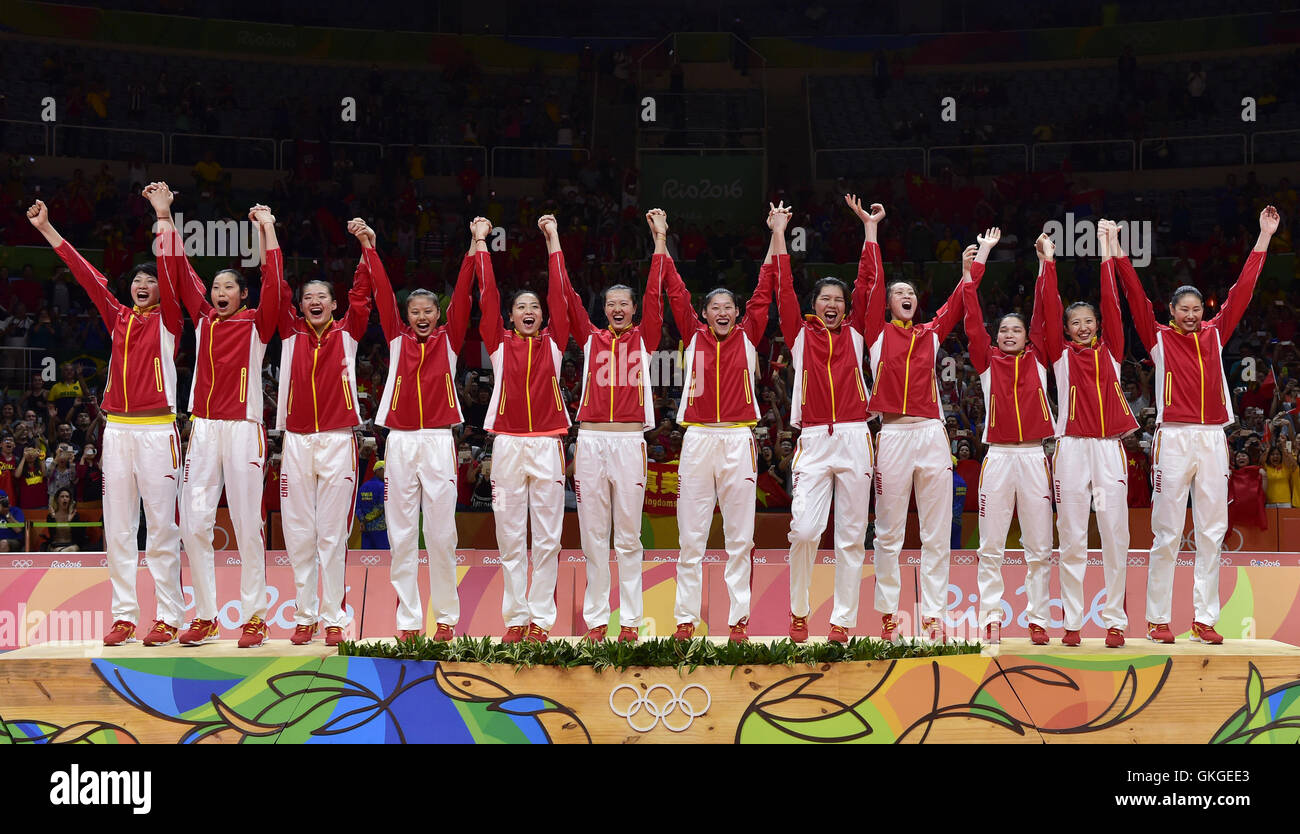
(618, 318)
(906, 307)
(222, 305)
(831, 316)
(142, 297)
(423, 328)
(316, 310)
(722, 323)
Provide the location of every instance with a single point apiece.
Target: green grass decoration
(662, 652)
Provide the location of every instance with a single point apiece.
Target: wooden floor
(1010, 646)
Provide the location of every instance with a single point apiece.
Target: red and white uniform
(227, 445)
(419, 407)
(719, 462)
(141, 454)
(835, 454)
(527, 415)
(903, 358)
(1015, 478)
(610, 466)
(318, 478)
(1190, 451)
(1089, 467)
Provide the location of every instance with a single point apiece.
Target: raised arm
(169, 306)
(356, 319)
(1234, 306)
(557, 300)
(1038, 324)
(1144, 319)
(579, 321)
(390, 319)
(652, 305)
(759, 305)
(679, 299)
(869, 303)
(458, 309)
(787, 300)
(87, 276)
(1112, 323)
(268, 300)
(491, 327)
(977, 335)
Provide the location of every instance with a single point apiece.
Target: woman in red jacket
(142, 448)
(835, 452)
(527, 416)
(1015, 478)
(616, 409)
(718, 458)
(227, 443)
(1190, 453)
(317, 411)
(419, 407)
(913, 446)
(1089, 468)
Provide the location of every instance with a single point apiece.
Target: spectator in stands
(8, 461)
(67, 392)
(89, 478)
(1279, 466)
(61, 470)
(1246, 488)
(12, 538)
(370, 510)
(1139, 471)
(62, 537)
(29, 480)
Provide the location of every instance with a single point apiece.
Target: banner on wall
(661, 488)
(713, 188)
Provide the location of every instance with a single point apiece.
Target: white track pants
(1092, 470)
(913, 454)
(230, 453)
(609, 479)
(1015, 479)
(1188, 459)
(718, 466)
(528, 479)
(143, 462)
(420, 474)
(840, 462)
(318, 495)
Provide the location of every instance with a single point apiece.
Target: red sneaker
(993, 633)
(1038, 635)
(1114, 638)
(200, 632)
(303, 634)
(738, 631)
(333, 635)
(515, 634)
(1071, 638)
(403, 635)
(253, 634)
(628, 634)
(161, 634)
(1159, 633)
(934, 630)
(123, 631)
(798, 628)
(597, 634)
(685, 631)
(536, 634)
(888, 628)
(443, 633)
(1202, 633)
(838, 634)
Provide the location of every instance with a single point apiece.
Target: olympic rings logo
(964, 560)
(282, 560)
(1136, 561)
(21, 563)
(1053, 560)
(370, 560)
(1225, 562)
(103, 563)
(460, 558)
(660, 712)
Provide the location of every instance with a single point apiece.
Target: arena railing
(1041, 149)
(524, 152)
(12, 142)
(1294, 136)
(107, 143)
(906, 154)
(445, 160)
(194, 145)
(1143, 153)
(288, 157)
(971, 149)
